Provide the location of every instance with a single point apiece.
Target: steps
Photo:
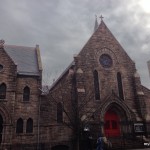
(120, 143)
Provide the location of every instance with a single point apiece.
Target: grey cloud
(62, 28)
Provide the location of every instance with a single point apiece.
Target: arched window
(59, 113)
(3, 91)
(26, 93)
(29, 126)
(19, 127)
(96, 85)
(120, 88)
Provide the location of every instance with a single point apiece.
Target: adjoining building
(99, 94)
(20, 80)
(148, 63)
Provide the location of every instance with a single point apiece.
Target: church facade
(99, 94)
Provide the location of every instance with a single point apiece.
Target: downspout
(38, 132)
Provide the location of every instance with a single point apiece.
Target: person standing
(99, 144)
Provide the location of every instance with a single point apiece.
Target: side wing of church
(20, 80)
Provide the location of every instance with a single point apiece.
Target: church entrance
(1, 128)
(111, 124)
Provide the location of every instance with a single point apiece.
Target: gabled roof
(61, 76)
(101, 33)
(103, 37)
(26, 58)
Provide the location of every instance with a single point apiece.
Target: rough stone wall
(13, 107)
(103, 42)
(147, 102)
(7, 76)
(147, 115)
(27, 109)
(51, 131)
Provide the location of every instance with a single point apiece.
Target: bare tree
(79, 113)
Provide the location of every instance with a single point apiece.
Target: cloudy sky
(62, 27)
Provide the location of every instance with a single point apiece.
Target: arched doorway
(1, 128)
(111, 124)
(60, 147)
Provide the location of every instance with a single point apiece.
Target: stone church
(99, 94)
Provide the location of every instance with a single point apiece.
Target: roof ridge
(6, 45)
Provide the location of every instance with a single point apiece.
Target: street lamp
(86, 129)
(87, 138)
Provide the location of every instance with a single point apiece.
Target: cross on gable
(101, 17)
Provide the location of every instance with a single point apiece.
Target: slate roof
(26, 59)
(59, 78)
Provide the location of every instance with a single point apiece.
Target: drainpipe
(38, 138)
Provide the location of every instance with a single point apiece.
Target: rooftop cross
(101, 17)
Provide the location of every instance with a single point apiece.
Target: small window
(19, 127)
(1, 67)
(26, 93)
(3, 91)
(59, 113)
(29, 126)
(120, 87)
(96, 85)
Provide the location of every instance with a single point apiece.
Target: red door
(111, 124)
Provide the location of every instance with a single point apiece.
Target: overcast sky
(62, 27)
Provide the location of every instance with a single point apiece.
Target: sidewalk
(140, 149)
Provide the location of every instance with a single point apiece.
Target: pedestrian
(99, 144)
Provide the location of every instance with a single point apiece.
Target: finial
(2, 43)
(96, 23)
(101, 17)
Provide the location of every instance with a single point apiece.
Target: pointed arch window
(59, 113)
(26, 93)
(19, 126)
(29, 126)
(3, 91)
(120, 87)
(96, 85)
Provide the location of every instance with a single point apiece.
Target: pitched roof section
(26, 58)
(62, 75)
(103, 37)
(102, 32)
